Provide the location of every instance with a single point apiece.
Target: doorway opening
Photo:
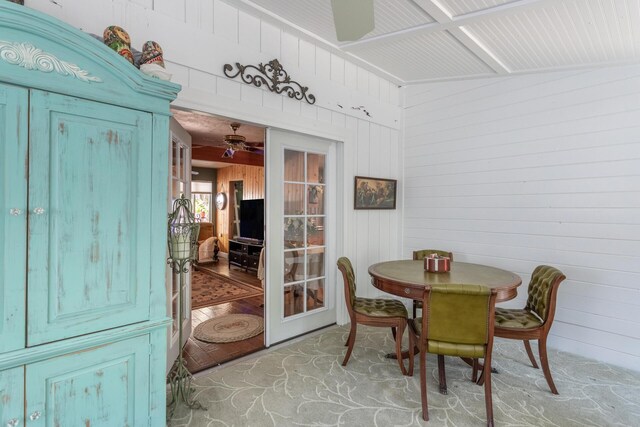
(227, 190)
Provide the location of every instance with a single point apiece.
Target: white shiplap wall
(542, 169)
(200, 36)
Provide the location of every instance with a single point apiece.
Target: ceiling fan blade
(352, 18)
(256, 150)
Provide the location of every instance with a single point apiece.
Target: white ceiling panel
(427, 56)
(314, 16)
(462, 7)
(562, 34)
(397, 15)
(421, 40)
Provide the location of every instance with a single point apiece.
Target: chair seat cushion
(451, 349)
(380, 307)
(509, 318)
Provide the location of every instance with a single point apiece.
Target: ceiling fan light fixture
(234, 143)
(235, 138)
(228, 153)
(353, 19)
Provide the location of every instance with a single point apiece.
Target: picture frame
(374, 193)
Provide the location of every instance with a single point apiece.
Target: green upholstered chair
(372, 312)
(534, 321)
(421, 254)
(458, 321)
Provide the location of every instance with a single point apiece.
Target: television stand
(244, 255)
(248, 240)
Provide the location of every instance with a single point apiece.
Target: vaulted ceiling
(426, 40)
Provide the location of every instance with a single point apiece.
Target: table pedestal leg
(405, 354)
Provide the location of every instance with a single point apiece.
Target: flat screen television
(252, 219)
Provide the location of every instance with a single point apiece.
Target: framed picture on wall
(374, 193)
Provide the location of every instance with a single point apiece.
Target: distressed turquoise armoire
(83, 205)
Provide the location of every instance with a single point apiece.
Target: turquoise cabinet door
(13, 216)
(12, 397)
(89, 231)
(107, 386)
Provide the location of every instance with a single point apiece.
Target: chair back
(543, 289)
(206, 231)
(460, 314)
(423, 253)
(349, 277)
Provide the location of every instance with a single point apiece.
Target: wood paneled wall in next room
(252, 178)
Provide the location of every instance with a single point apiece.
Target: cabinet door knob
(13, 422)
(34, 416)
(38, 211)
(15, 212)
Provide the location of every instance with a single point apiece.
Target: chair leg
(474, 371)
(412, 353)
(423, 384)
(486, 373)
(544, 361)
(348, 338)
(352, 340)
(527, 347)
(398, 338)
(442, 377)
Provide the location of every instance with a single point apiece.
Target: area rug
(209, 289)
(303, 383)
(229, 328)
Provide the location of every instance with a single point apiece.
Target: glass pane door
(179, 180)
(304, 242)
(301, 239)
(180, 183)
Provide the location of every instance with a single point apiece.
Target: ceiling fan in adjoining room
(353, 19)
(234, 142)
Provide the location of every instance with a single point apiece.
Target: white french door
(179, 183)
(301, 234)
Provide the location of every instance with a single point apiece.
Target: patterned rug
(209, 289)
(229, 328)
(303, 383)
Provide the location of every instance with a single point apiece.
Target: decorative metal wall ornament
(30, 57)
(273, 76)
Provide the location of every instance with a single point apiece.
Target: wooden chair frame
(397, 325)
(423, 345)
(539, 333)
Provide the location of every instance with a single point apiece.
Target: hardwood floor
(222, 267)
(200, 355)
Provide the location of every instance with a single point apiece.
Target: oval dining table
(408, 279)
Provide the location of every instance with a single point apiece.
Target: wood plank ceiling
(428, 40)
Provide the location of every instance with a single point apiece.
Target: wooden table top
(407, 278)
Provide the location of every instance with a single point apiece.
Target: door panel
(13, 216)
(90, 171)
(180, 183)
(301, 222)
(12, 396)
(107, 386)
